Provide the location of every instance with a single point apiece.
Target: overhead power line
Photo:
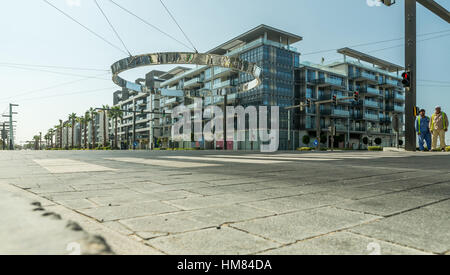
(150, 25)
(374, 43)
(86, 28)
(52, 72)
(54, 67)
(397, 46)
(66, 94)
(112, 27)
(181, 29)
(51, 87)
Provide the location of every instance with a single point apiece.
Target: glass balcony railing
(365, 75)
(371, 116)
(222, 84)
(369, 90)
(389, 82)
(219, 70)
(192, 82)
(344, 113)
(329, 81)
(399, 108)
(398, 96)
(373, 104)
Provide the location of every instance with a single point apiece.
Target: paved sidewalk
(240, 203)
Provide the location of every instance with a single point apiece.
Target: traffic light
(335, 100)
(406, 79)
(416, 111)
(356, 96)
(164, 113)
(388, 2)
(309, 102)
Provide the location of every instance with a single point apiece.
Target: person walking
(439, 126)
(423, 130)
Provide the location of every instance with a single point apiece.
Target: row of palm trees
(115, 113)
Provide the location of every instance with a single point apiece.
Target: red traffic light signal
(356, 96)
(335, 100)
(406, 79)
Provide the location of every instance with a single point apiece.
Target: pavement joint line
(324, 234)
(391, 242)
(396, 191)
(396, 213)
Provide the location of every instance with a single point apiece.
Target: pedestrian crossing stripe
(164, 163)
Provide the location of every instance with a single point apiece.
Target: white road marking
(62, 166)
(243, 159)
(165, 163)
(274, 157)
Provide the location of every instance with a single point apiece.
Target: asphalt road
(206, 202)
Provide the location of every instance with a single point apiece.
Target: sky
(35, 34)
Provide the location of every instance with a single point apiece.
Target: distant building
(286, 82)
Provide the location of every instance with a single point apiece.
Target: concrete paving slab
(422, 229)
(226, 241)
(296, 203)
(297, 226)
(114, 213)
(344, 243)
(389, 204)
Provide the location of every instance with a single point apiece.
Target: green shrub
(447, 149)
(304, 149)
(306, 140)
(375, 148)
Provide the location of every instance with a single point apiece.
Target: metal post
(289, 129)
(410, 65)
(225, 103)
(134, 125)
(348, 133)
(318, 130)
(332, 135)
(11, 133)
(4, 136)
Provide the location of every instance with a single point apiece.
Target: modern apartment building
(286, 81)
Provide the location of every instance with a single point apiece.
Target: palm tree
(72, 118)
(36, 142)
(93, 113)
(105, 113)
(80, 121)
(50, 134)
(61, 128)
(116, 113)
(67, 125)
(87, 118)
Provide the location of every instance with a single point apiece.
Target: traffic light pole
(318, 103)
(410, 66)
(410, 60)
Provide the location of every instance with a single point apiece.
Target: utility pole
(4, 136)
(11, 127)
(410, 60)
(410, 66)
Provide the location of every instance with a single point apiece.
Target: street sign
(135, 144)
(316, 142)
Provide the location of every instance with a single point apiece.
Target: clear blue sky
(35, 33)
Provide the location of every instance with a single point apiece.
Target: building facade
(286, 81)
